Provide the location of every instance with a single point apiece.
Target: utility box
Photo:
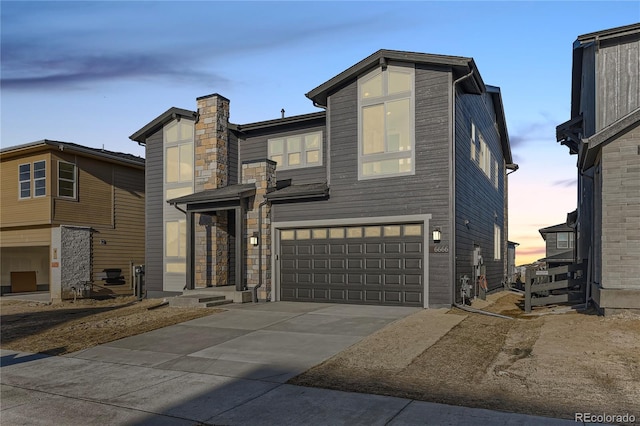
(138, 271)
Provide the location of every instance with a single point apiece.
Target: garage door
(377, 264)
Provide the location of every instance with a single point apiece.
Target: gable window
(565, 240)
(66, 180)
(386, 139)
(24, 179)
(497, 242)
(178, 136)
(39, 178)
(296, 151)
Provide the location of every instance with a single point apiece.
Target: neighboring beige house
(604, 132)
(67, 214)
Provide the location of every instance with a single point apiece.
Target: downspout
(255, 288)
(452, 178)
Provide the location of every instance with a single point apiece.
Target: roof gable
(459, 65)
(154, 125)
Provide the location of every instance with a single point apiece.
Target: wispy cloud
(73, 71)
(542, 129)
(565, 183)
(43, 52)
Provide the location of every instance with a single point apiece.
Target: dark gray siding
(587, 96)
(232, 158)
(427, 192)
(477, 199)
(618, 84)
(254, 147)
(153, 211)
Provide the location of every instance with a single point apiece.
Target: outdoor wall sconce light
(253, 239)
(437, 235)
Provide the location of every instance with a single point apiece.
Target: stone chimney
(211, 162)
(211, 172)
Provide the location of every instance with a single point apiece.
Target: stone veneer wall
(75, 258)
(263, 174)
(210, 172)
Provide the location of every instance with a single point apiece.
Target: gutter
(255, 288)
(452, 179)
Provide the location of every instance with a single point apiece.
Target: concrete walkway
(227, 368)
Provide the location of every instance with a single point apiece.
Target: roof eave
(154, 125)
(319, 94)
(66, 146)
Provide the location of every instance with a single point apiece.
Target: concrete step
(197, 300)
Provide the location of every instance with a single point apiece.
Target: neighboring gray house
(604, 132)
(560, 242)
(391, 194)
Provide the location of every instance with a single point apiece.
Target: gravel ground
(556, 363)
(62, 328)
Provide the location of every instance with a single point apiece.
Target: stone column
(263, 174)
(211, 172)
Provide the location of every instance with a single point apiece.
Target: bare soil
(556, 363)
(62, 328)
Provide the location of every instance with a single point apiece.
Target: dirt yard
(58, 329)
(553, 364)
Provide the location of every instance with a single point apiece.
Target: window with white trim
(66, 179)
(482, 156)
(24, 180)
(564, 240)
(386, 134)
(497, 242)
(39, 178)
(296, 151)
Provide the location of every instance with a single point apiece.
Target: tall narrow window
(497, 242)
(40, 178)
(386, 139)
(66, 180)
(180, 163)
(24, 180)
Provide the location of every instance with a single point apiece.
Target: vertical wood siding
(618, 85)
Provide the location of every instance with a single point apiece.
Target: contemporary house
(560, 243)
(393, 193)
(604, 134)
(71, 219)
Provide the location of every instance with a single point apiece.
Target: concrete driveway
(227, 368)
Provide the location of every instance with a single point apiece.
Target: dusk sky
(93, 73)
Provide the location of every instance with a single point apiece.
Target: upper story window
(564, 240)
(482, 156)
(39, 179)
(24, 178)
(292, 152)
(67, 176)
(178, 139)
(386, 134)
